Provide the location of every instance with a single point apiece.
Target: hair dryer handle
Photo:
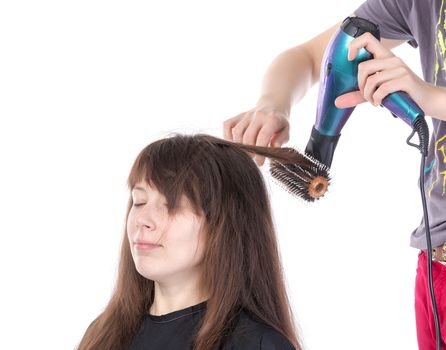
(401, 105)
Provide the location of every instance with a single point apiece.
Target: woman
(199, 266)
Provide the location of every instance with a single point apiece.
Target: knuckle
(401, 70)
(276, 120)
(367, 87)
(259, 118)
(285, 137)
(264, 133)
(397, 60)
(384, 89)
(372, 79)
(227, 124)
(237, 132)
(377, 95)
(364, 70)
(409, 77)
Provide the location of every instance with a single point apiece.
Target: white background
(85, 85)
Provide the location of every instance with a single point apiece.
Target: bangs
(166, 165)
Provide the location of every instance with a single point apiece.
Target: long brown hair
(241, 265)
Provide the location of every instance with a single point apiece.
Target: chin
(148, 273)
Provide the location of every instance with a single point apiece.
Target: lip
(145, 246)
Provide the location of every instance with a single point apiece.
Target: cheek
(183, 248)
(130, 226)
(189, 246)
(182, 244)
(131, 230)
(201, 246)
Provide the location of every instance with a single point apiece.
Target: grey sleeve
(395, 18)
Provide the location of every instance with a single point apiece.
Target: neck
(172, 296)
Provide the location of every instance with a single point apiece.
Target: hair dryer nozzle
(322, 147)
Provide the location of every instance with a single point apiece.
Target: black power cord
(421, 128)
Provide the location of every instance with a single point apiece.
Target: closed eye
(140, 204)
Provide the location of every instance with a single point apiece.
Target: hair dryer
(339, 76)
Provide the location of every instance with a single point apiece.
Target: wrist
(270, 103)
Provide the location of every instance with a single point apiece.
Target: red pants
(423, 306)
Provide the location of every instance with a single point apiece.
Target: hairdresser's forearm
(287, 79)
(435, 104)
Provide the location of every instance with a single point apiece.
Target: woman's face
(179, 241)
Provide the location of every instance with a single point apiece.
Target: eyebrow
(138, 188)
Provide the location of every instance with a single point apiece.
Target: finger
(250, 135)
(273, 129)
(239, 130)
(399, 84)
(371, 44)
(229, 124)
(349, 99)
(263, 140)
(368, 68)
(376, 80)
(281, 137)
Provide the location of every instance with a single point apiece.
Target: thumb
(349, 99)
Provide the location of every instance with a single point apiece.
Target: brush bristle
(296, 179)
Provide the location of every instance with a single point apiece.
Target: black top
(174, 331)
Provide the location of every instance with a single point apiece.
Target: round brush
(300, 174)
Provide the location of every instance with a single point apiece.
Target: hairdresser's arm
(285, 83)
(293, 73)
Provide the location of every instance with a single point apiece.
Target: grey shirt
(423, 24)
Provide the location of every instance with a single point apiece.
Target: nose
(151, 215)
(148, 222)
(145, 218)
(142, 222)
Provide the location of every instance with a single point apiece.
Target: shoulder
(271, 339)
(251, 334)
